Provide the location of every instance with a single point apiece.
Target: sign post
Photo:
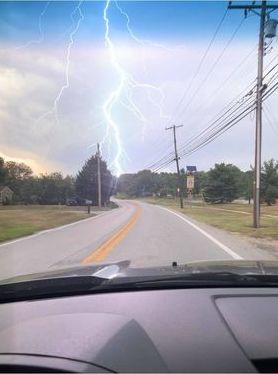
(190, 180)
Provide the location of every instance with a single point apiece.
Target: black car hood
(123, 269)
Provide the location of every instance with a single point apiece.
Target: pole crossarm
(250, 7)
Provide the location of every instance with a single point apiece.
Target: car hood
(123, 270)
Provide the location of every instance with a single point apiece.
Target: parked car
(71, 201)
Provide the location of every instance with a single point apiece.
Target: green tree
(145, 183)
(269, 182)
(246, 185)
(51, 188)
(3, 171)
(200, 180)
(17, 174)
(87, 185)
(30, 190)
(126, 184)
(222, 184)
(168, 183)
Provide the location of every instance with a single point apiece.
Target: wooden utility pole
(98, 176)
(263, 7)
(180, 185)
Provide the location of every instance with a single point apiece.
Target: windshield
(137, 131)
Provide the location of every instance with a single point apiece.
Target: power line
(212, 68)
(168, 158)
(234, 71)
(220, 128)
(201, 61)
(223, 129)
(231, 123)
(223, 117)
(269, 120)
(165, 159)
(251, 87)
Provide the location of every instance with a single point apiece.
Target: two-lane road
(147, 235)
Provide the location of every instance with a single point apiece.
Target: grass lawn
(20, 220)
(231, 217)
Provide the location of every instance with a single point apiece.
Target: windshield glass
(137, 131)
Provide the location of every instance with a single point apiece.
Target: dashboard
(177, 330)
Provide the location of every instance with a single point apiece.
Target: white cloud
(30, 80)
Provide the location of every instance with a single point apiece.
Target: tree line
(221, 184)
(54, 188)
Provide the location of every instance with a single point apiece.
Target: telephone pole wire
(180, 185)
(98, 176)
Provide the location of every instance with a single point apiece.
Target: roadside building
(6, 195)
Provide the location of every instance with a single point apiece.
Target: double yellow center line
(101, 252)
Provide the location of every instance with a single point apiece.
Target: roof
(3, 187)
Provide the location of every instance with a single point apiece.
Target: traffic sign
(190, 182)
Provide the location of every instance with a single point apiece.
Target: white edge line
(53, 229)
(207, 235)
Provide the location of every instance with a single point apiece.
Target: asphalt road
(147, 235)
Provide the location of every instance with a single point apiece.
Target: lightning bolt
(54, 110)
(145, 42)
(41, 32)
(114, 96)
(122, 94)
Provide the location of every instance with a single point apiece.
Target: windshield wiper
(49, 287)
(211, 279)
(82, 285)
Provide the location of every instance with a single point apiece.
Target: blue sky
(54, 83)
(178, 21)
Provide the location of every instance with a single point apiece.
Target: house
(6, 195)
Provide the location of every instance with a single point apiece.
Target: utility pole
(174, 127)
(98, 176)
(259, 95)
(258, 140)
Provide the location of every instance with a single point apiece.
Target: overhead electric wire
(151, 166)
(269, 120)
(211, 128)
(231, 74)
(234, 71)
(221, 128)
(206, 134)
(231, 123)
(169, 158)
(271, 91)
(212, 68)
(240, 64)
(202, 60)
(165, 159)
(217, 133)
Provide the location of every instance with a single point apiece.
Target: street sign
(190, 182)
(191, 168)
